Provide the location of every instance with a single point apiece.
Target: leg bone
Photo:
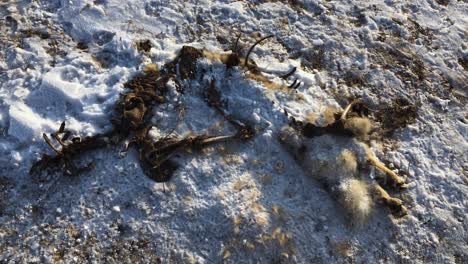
(392, 176)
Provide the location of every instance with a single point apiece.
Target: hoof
(396, 207)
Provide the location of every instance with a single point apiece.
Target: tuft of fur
(328, 115)
(346, 163)
(359, 126)
(354, 196)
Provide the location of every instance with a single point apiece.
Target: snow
(235, 202)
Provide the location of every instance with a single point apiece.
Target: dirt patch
(5, 185)
(355, 78)
(405, 64)
(443, 2)
(144, 45)
(418, 31)
(43, 34)
(314, 58)
(463, 61)
(296, 5)
(398, 115)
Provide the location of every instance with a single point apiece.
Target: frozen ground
(235, 202)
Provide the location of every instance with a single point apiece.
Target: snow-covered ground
(236, 202)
